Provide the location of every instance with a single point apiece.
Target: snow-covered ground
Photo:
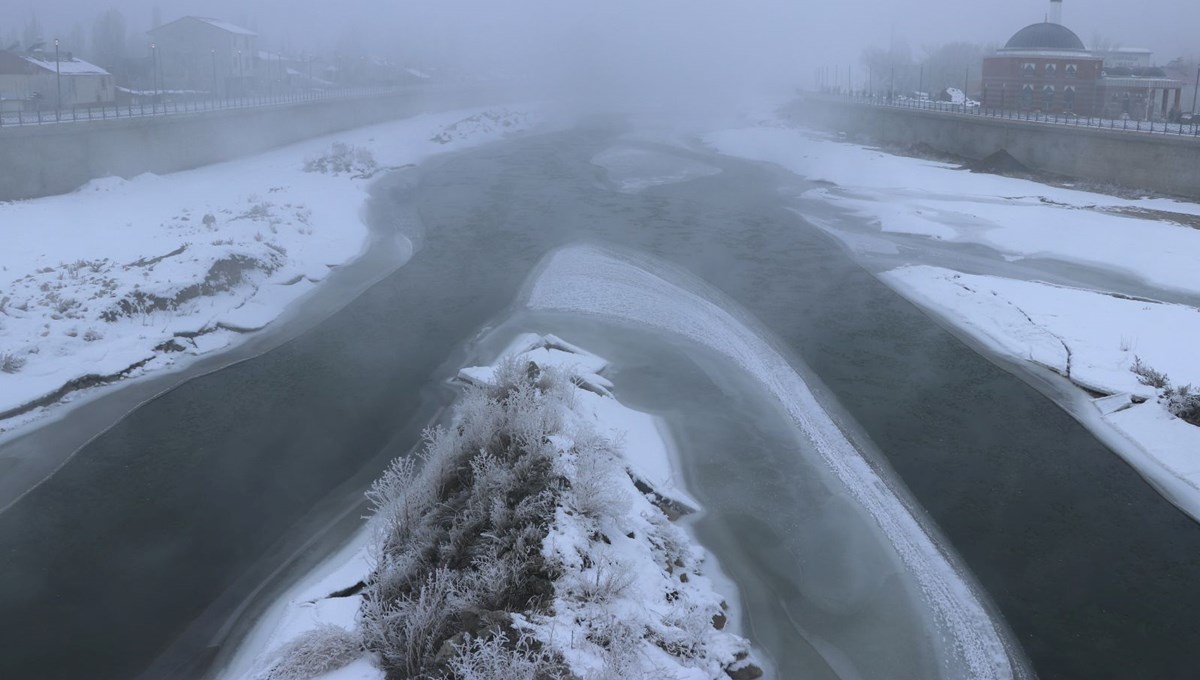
(1085, 326)
(683, 602)
(127, 276)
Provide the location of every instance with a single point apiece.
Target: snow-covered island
(1090, 288)
(535, 537)
(125, 277)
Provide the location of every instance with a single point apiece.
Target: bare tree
(108, 38)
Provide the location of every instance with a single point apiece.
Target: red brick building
(1045, 67)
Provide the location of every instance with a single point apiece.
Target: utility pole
(57, 82)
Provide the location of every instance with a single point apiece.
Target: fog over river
(970, 548)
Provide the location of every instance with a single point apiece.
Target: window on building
(1048, 98)
(1027, 97)
(1028, 69)
(1069, 98)
(1071, 70)
(1051, 69)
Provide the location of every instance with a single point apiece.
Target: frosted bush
(1183, 403)
(459, 536)
(342, 157)
(11, 363)
(1148, 376)
(495, 658)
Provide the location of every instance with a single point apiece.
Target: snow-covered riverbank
(124, 277)
(1065, 280)
(634, 595)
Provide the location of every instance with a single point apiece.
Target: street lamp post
(214, 69)
(966, 86)
(154, 76)
(57, 82)
(1194, 91)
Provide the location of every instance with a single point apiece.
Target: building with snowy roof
(1046, 67)
(203, 54)
(34, 81)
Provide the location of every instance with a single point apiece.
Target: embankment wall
(42, 160)
(1168, 164)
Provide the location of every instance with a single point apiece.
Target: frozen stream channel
(167, 524)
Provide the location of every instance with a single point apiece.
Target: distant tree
(108, 38)
(1103, 43)
(77, 43)
(155, 17)
(31, 37)
(956, 64)
(887, 68)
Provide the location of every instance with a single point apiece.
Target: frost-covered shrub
(343, 157)
(460, 539)
(11, 363)
(314, 653)
(592, 488)
(1183, 403)
(1148, 376)
(495, 657)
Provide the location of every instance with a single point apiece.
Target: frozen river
(139, 555)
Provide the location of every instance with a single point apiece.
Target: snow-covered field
(625, 580)
(1086, 331)
(123, 277)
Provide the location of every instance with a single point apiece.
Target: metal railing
(1068, 119)
(164, 104)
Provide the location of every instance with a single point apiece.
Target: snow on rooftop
(226, 26)
(72, 67)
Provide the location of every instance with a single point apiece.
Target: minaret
(1055, 16)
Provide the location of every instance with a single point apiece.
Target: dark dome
(1045, 36)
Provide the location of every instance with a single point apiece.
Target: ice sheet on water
(637, 289)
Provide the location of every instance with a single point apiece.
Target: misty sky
(771, 35)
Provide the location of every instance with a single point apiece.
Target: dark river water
(133, 558)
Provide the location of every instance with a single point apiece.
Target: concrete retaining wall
(1162, 163)
(54, 159)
